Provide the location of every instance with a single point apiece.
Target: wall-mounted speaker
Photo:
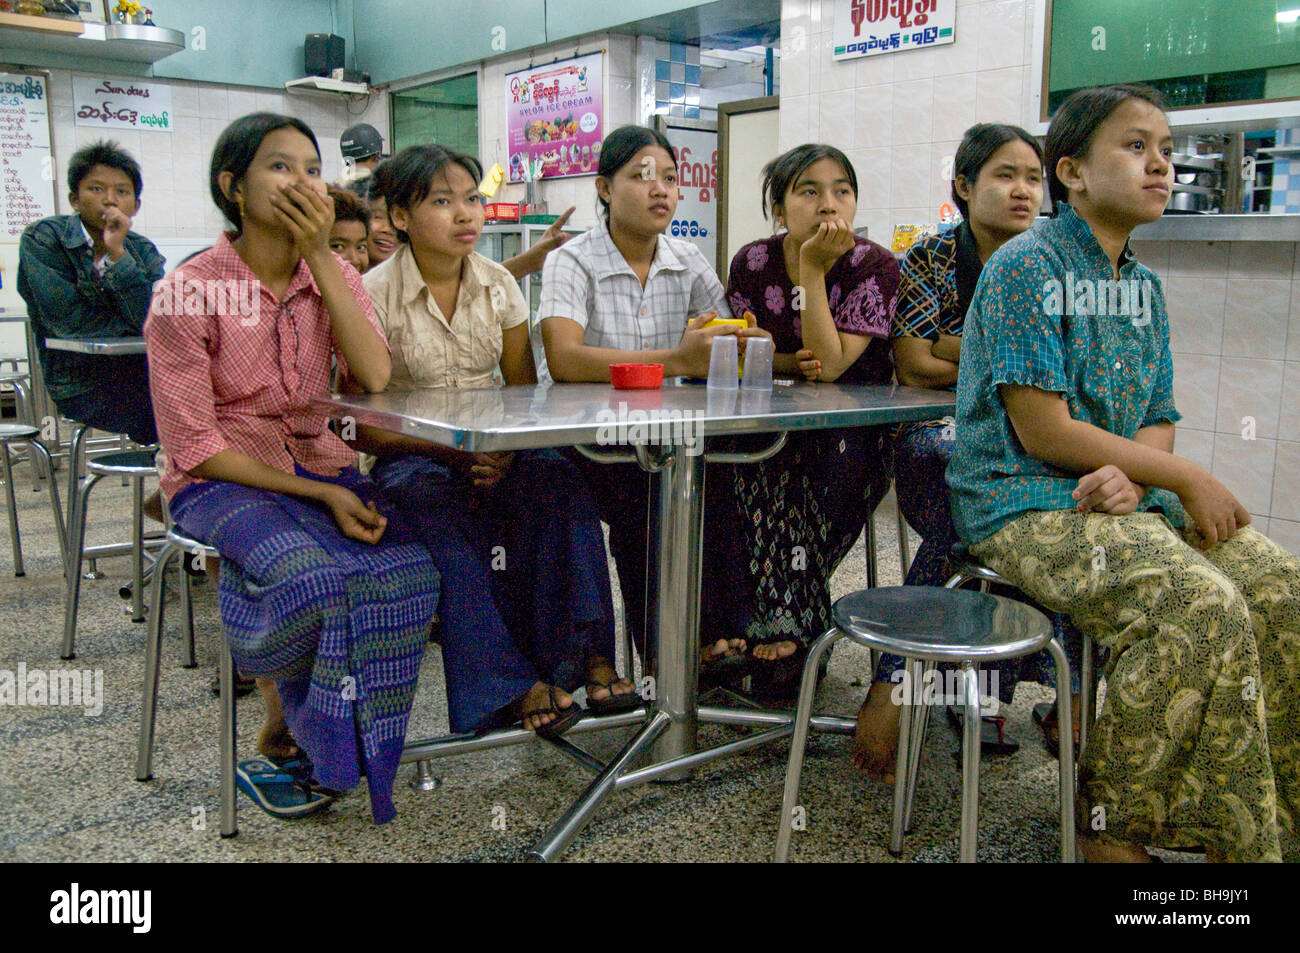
(322, 53)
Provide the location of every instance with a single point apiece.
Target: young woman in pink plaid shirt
(321, 587)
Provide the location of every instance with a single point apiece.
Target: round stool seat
(8, 377)
(126, 463)
(928, 622)
(190, 545)
(17, 432)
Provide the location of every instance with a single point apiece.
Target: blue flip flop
(277, 791)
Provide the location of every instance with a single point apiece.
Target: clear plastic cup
(755, 402)
(758, 364)
(724, 372)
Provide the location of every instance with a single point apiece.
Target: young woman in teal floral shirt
(1064, 480)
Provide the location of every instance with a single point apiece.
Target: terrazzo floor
(67, 791)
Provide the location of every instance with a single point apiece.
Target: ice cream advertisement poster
(555, 118)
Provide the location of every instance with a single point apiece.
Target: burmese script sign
(26, 163)
(121, 104)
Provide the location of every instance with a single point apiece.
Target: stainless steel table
(663, 431)
(107, 347)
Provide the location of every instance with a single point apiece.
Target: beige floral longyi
(1198, 740)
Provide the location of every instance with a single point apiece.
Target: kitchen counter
(1213, 228)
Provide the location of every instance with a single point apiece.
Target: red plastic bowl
(636, 376)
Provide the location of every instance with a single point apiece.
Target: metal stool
(21, 433)
(24, 411)
(134, 465)
(177, 545)
(935, 625)
(968, 570)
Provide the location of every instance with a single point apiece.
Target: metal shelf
(325, 85)
(1207, 163)
(125, 42)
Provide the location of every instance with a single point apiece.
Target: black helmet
(361, 141)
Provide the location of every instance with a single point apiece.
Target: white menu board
(27, 173)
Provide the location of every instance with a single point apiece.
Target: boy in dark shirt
(88, 275)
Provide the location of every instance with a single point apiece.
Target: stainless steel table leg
(563, 831)
(680, 548)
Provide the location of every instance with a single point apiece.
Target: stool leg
(187, 613)
(903, 761)
(38, 450)
(27, 415)
(920, 725)
(1087, 691)
(807, 689)
(229, 820)
(970, 765)
(6, 471)
(152, 655)
(904, 545)
(76, 457)
(137, 549)
(1065, 716)
(76, 542)
(871, 551)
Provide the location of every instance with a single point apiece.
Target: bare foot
(534, 707)
(875, 743)
(274, 741)
(1097, 852)
(771, 651)
(1053, 731)
(600, 671)
(719, 648)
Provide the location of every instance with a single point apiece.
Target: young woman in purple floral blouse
(826, 297)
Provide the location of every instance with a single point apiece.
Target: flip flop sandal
(612, 704)
(278, 792)
(565, 719)
(993, 737)
(1054, 744)
(779, 679)
(730, 666)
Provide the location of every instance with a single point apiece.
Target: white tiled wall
(1234, 306)
(898, 116)
(1234, 312)
(176, 203)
